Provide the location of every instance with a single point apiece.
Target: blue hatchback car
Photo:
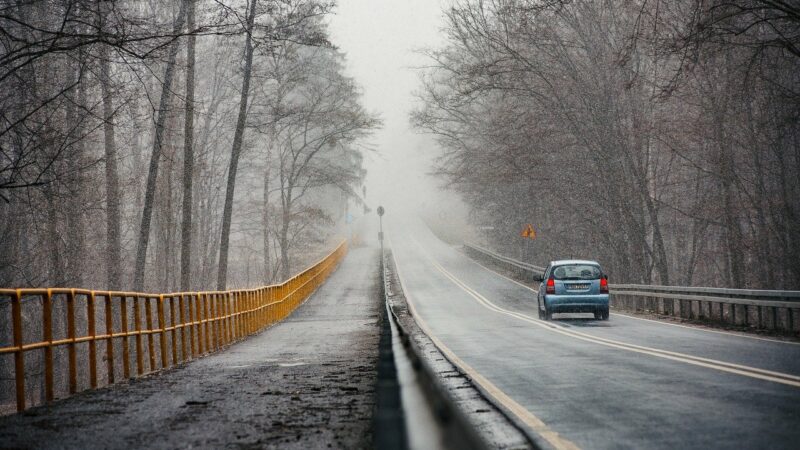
(570, 286)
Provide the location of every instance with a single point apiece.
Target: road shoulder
(495, 426)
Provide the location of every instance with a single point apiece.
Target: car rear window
(576, 272)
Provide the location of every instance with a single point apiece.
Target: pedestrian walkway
(307, 382)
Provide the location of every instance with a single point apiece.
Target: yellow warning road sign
(529, 232)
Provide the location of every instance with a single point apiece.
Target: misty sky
(379, 38)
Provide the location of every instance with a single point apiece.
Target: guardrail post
(90, 313)
(198, 312)
(151, 345)
(181, 307)
(72, 347)
(231, 296)
(126, 351)
(230, 306)
(260, 305)
(240, 307)
(221, 319)
(207, 321)
(253, 311)
(210, 323)
(273, 309)
(773, 318)
(19, 354)
(173, 319)
(759, 318)
(110, 339)
(137, 325)
(256, 310)
(267, 306)
(279, 302)
(47, 312)
(223, 303)
(244, 313)
(217, 324)
(248, 301)
(251, 303)
(162, 327)
(193, 339)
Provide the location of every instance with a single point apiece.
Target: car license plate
(578, 286)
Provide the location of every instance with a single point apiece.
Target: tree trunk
(284, 243)
(152, 174)
(236, 151)
(75, 222)
(188, 156)
(733, 232)
(54, 254)
(267, 264)
(113, 241)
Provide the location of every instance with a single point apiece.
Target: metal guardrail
(456, 430)
(185, 324)
(761, 308)
(514, 263)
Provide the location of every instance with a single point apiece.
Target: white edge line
(527, 417)
(752, 372)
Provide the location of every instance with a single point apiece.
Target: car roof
(561, 262)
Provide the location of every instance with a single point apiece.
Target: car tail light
(551, 286)
(603, 286)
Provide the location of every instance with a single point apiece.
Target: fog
(201, 146)
(220, 144)
(595, 129)
(383, 42)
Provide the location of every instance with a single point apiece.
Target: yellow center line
(748, 371)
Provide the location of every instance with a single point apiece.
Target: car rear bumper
(576, 303)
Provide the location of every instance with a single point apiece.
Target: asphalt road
(577, 382)
(307, 382)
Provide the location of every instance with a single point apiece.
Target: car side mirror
(538, 277)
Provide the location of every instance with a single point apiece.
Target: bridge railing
(772, 309)
(58, 333)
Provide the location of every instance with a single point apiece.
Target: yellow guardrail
(185, 324)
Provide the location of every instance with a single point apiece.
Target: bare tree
(188, 156)
(318, 122)
(295, 21)
(644, 134)
(95, 129)
(236, 150)
(113, 239)
(155, 157)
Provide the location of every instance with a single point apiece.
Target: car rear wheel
(601, 314)
(548, 315)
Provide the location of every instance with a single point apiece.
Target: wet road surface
(625, 383)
